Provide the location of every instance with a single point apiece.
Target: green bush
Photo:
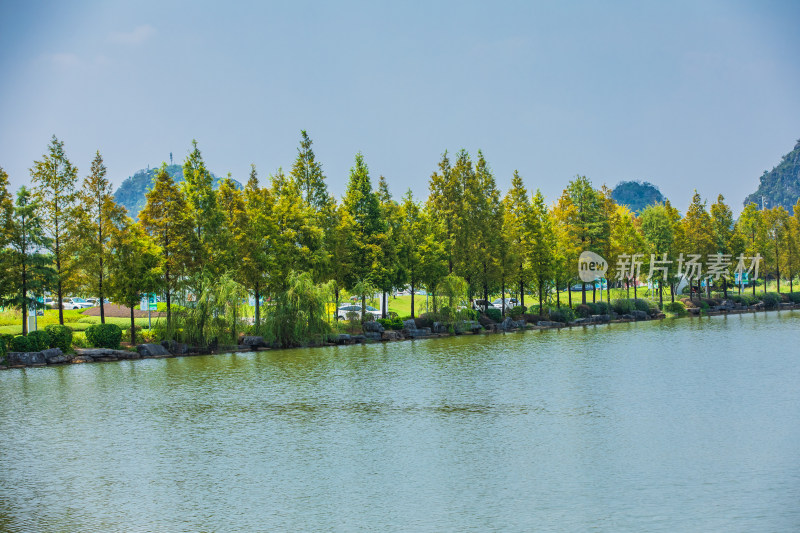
(104, 335)
(675, 307)
(517, 311)
(60, 336)
(391, 323)
(564, 314)
(494, 314)
(3, 349)
(20, 344)
(794, 297)
(771, 300)
(602, 308)
(643, 305)
(623, 306)
(584, 311)
(39, 340)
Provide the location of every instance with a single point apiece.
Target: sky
(685, 95)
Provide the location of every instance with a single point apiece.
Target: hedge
(60, 336)
(104, 335)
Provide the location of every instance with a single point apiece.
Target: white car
(76, 303)
(341, 313)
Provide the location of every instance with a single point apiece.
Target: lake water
(677, 425)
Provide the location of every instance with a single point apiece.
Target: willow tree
(54, 179)
(27, 271)
(90, 225)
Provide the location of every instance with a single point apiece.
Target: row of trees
(61, 238)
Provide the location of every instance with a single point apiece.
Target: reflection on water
(685, 425)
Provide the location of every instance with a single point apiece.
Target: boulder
(251, 341)
(600, 319)
(373, 335)
(83, 359)
(125, 354)
(179, 348)
(581, 321)
(409, 324)
(549, 324)
(373, 327)
(95, 352)
(439, 327)
(391, 336)
(55, 356)
(151, 350)
(344, 338)
(359, 338)
(26, 358)
(472, 325)
(506, 324)
(640, 315)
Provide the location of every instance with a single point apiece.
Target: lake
(676, 425)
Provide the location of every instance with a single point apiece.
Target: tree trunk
(24, 297)
(635, 293)
(594, 293)
(569, 295)
(583, 293)
(558, 297)
(169, 300)
(521, 292)
(661, 294)
(363, 307)
(258, 307)
(60, 301)
(672, 292)
(541, 295)
(725, 288)
(412, 299)
(503, 291)
(133, 328)
(100, 290)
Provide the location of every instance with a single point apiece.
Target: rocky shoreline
(373, 332)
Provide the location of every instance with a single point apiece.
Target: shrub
(60, 336)
(602, 308)
(20, 344)
(79, 340)
(642, 305)
(494, 314)
(623, 306)
(385, 322)
(39, 340)
(565, 314)
(584, 311)
(424, 321)
(516, 312)
(3, 349)
(104, 335)
(532, 319)
(771, 300)
(794, 297)
(675, 307)
(397, 324)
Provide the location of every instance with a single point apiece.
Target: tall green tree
(28, 271)
(167, 220)
(136, 266)
(518, 232)
(698, 233)
(445, 199)
(541, 245)
(54, 179)
(307, 173)
(722, 223)
(364, 212)
(658, 233)
(90, 224)
(205, 216)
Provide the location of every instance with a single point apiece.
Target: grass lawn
(11, 321)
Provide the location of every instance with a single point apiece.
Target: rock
(439, 327)
(409, 324)
(640, 315)
(83, 359)
(373, 335)
(251, 341)
(472, 325)
(151, 350)
(26, 358)
(372, 327)
(95, 352)
(344, 338)
(600, 319)
(125, 354)
(581, 321)
(549, 324)
(105, 359)
(54, 356)
(391, 336)
(506, 324)
(359, 338)
(178, 348)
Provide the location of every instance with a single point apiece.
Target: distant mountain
(131, 194)
(781, 185)
(636, 195)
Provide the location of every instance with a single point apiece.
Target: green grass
(11, 321)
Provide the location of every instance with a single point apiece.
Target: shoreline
(159, 351)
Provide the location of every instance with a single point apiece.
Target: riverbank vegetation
(290, 246)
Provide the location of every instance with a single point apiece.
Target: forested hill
(781, 185)
(131, 194)
(636, 194)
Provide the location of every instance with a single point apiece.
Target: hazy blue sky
(685, 95)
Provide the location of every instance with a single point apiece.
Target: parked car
(76, 303)
(510, 302)
(343, 310)
(483, 305)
